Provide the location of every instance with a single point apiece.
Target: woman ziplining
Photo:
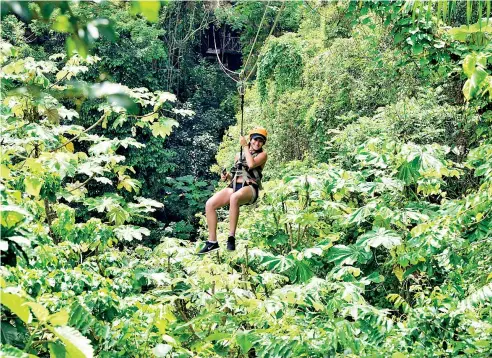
(245, 177)
(246, 173)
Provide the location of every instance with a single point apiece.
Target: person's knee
(234, 201)
(210, 205)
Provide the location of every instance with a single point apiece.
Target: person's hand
(243, 141)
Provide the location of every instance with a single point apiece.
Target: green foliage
(377, 243)
(82, 35)
(161, 56)
(41, 167)
(281, 61)
(186, 196)
(244, 17)
(479, 80)
(423, 120)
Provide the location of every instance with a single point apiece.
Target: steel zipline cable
(241, 81)
(257, 33)
(223, 68)
(269, 34)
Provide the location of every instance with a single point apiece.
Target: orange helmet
(258, 132)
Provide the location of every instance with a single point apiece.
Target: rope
(270, 34)
(224, 69)
(239, 165)
(241, 82)
(257, 33)
(241, 92)
(220, 61)
(242, 88)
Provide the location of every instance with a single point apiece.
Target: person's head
(258, 137)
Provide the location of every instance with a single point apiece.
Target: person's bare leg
(240, 197)
(218, 200)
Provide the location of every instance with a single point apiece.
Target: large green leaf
(245, 341)
(11, 215)
(8, 351)
(302, 272)
(59, 318)
(409, 171)
(76, 344)
(104, 203)
(57, 350)
(347, 255)
(10, 334)
(296, 270)
(81, 318)
(118, 215)
(15, 303)
(381, 236)
(359, 215)
(39, 311)
(130, 233)
(278, 263)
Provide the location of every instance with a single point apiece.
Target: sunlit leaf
(77, 346)
(33, 185)
(4, 172)
(130, 233)
(163, 127)
(59, 318)
(12, 215)
(381, 236)
(148, 8)
(347, 255)
(40, 312)
(245, 341)
(15, 303)
(162, 350)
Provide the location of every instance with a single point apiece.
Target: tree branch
(78, 135)
(84, 183)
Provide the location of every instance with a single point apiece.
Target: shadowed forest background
(371, 238)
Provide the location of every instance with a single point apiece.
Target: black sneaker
(231, 243)
(209, 247)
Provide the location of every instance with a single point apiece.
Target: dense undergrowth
(372, 237)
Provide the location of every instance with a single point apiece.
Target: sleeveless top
(247, 174)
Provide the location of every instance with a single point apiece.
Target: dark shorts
(254, 188)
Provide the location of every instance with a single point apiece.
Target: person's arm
(258, 161)
(225, 175)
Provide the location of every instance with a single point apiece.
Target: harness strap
(240, 171)
(257, 175)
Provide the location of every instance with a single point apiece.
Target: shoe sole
(205, 253)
